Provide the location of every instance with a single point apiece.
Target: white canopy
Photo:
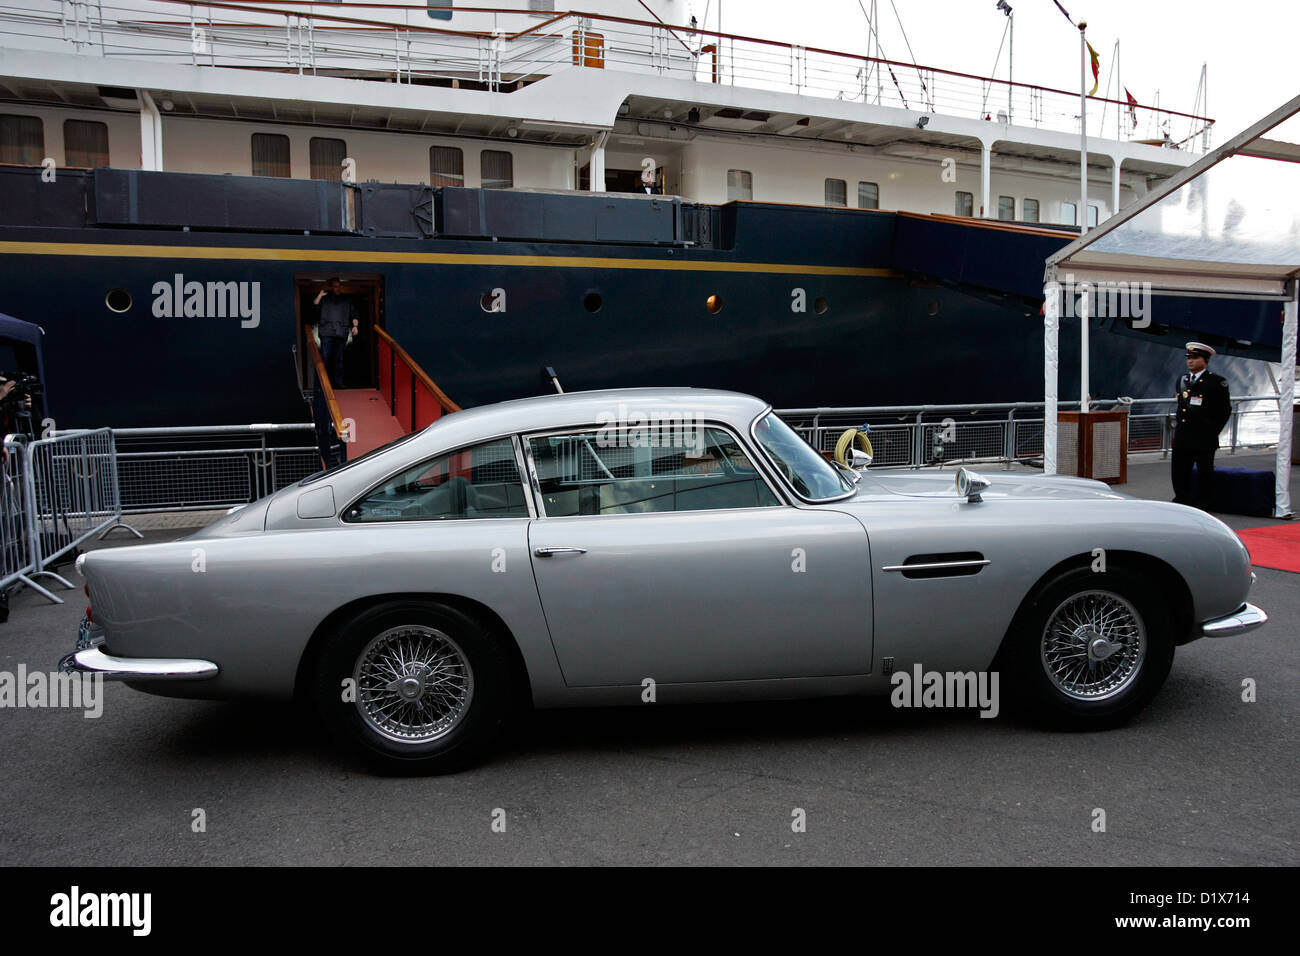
(1228, 226)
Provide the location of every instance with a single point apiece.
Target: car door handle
(547, 552)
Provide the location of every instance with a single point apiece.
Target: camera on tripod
(25, 384)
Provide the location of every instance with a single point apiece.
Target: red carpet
(374, 424)
(1275, 546)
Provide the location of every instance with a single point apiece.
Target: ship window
(327, 157)
(85, 143)
(548, 5)
(821, 305)
(117, 300)
(836, 192)
(497, 169)
(1006, 207)
(965, 204)
(1031, 210)
(271, 155)
(714, 304)
(22, 140)
(868, 196)
(740, 184)
(440, 9)
(592, 301)
(1093, 214)
(446, 166)
(1069, 214)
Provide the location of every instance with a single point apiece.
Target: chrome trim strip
(937, 564)
(94, 661)
(1245, 618)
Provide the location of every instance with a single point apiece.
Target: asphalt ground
(1200, 777)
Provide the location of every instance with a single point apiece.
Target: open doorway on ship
(360, 359)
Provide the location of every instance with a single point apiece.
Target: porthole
(592, 301)
(488, 301)
(821, 305)
(118, 300)
(934, 307)
(714, 304)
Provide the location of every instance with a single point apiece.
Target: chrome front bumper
(1245, 618)
(89, 658)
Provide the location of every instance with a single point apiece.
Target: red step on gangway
(407, 400)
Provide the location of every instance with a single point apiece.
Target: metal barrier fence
(58, 492)
(207, 467)
(918, 435)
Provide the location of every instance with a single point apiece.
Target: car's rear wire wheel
(414, 687)
(414, 684)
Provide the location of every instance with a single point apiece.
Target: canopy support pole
(1282, 471)
(1051, 361)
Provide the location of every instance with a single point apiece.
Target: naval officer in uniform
(1204, 408)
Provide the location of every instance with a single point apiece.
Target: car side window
(477, 482)
(630, 471)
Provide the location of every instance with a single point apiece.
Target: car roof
(606, 407)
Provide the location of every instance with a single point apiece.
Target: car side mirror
(859, 459)
(969, 485)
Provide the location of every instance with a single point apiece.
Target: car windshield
(811, 475)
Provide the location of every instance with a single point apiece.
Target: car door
(679, 563)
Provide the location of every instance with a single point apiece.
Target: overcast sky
(1249, 45)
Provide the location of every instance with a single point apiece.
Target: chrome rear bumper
(92, 660)
(1245, 618)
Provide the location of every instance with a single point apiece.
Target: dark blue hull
(898, 310)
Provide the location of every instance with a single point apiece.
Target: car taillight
(89, 615)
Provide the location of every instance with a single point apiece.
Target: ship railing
(333, 431)
(916, 436)
(503, 50)
(58, 492)
(413, 398)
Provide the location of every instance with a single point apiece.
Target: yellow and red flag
(1096, 68)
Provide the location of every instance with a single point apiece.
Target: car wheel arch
(1146, 566)
(480, 612)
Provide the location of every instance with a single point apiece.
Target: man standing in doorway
(1204, 407)
(338, 318)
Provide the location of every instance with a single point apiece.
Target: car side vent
(949, 564)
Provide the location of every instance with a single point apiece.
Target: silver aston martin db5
(664, 545)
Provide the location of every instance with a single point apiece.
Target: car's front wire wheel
(413, 687)
(1091, 649)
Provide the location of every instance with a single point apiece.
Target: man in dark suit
(1204, 407)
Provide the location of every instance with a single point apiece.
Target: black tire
(441, 711)
(1070, 692)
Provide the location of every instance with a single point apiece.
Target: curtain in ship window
(1069, 214)
(868, 196)
(22, 140)
(1092, 216)
(271, 155)
(496, 169)
(1031, 210)
(440, 14)
(327, 157)
(547, 5)
(965, 204)
(1006, 207)
(836, 192)
(85, 143)
(446, 166)
(740, 184)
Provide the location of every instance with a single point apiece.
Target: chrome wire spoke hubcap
(414, 684)
(1093, 645)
